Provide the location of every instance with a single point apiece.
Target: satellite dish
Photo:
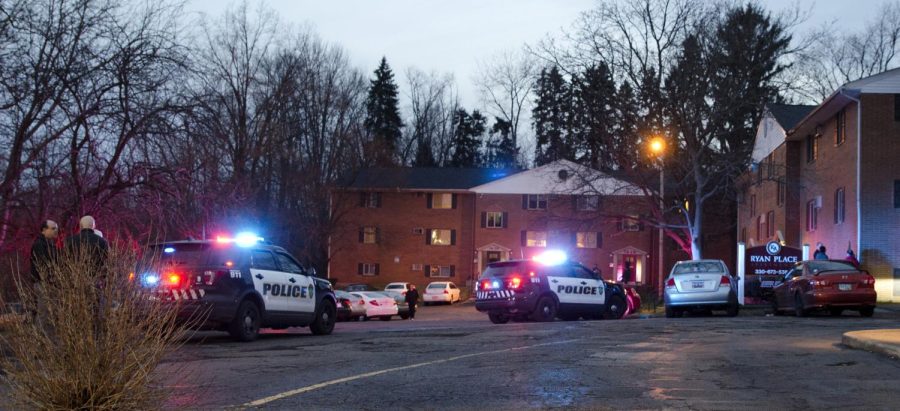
(563, 174)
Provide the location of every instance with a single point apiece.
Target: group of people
(821, 254)
(45, 248)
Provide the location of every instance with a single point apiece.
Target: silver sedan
(700, 284)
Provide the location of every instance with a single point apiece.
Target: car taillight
(725, 281)
(345, 303)
(868, 281)
(670, 283)
(514, 283)
(373, 302)
(818, 283)
(173, 280)
(486, 285)
(446, 292)
(362, 302)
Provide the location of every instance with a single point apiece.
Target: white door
(300, 289)
(267, 279)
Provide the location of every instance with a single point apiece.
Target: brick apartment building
(426, 224)
(831, 174)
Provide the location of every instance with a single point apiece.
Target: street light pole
(658, 147)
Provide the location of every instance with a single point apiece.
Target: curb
(859, 340)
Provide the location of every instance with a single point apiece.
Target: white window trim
(440, 270)
(538, 199)
(498, 217)
(442, 204)
(586, 235)
(368, 270)
(533, 242)
(449, 237)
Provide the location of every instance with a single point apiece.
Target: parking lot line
(314, 387)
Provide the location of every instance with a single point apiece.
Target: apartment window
(493, 219)
(367, 269)
(896, 193)
(782, 191)
(442, 271)
(812, 148)
(534, 238)
(632, 224)
(588, 239)
(761, 228)
(770, 223)
(587, 203)
(442, 201)
(839, 206)
(440, 237)
(753, 204)
(368, 235)
(759, 172)
(534, 202)
(812, 215)
(840, 132)
(370, 200)
(771, 165)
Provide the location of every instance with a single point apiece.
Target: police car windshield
(195, 254)
(506, 268)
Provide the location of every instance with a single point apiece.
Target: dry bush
(95, 341)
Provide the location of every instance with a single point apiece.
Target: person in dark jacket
(412, 298)
(820, 253)
(43, 250)
(88, 241)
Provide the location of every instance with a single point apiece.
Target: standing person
(851, 258)
(412, 298)
(597, 271)
(88, 241)
(820, 253)
(43, 250)
(626, 273)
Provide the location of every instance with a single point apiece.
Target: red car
(831, 285)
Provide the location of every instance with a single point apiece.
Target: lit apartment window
(840, 128)
(534, 238)
(445, 271)
(494, 220)
(441, 237)
(770, 223)
(839, 206)
(812, 215)
(443, 201)
(367, 269)
(812, 148)
(632, 224)
(534, 202)
(587, 203)
(588, 239)
(368, 235)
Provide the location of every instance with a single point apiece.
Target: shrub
(91, 338)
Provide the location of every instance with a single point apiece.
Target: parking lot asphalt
(452, 357)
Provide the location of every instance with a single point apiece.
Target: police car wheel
(616, 308)
(545, 310)
(498, 318)
(325, 316)
(245, 326)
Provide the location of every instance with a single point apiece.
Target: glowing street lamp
(658, 148)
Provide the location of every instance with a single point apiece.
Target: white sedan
(441, 292)
(378, 304)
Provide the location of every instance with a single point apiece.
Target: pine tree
(424, 154)
(383, 116)
(501, 150)
(627, 137)
(550, 117)
(593, 117)
(468, 131)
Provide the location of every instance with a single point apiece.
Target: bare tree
(433, 100)
(505, 84)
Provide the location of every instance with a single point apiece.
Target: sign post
(741, 271)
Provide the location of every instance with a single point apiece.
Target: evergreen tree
(626, 136)
(468, 130)
(550, 117)
(424, 154)
(383, 116)
(501, 150)
(593, 117)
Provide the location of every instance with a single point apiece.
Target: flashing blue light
(247, 239)
(551, 257)
(495, 284)
(151, 279)
(169, 250)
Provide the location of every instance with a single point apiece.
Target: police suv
(239, 285)
(544, 288)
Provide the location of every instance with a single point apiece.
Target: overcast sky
(454, 36)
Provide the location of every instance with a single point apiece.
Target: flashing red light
(725, 280)
(486, 285)
(515, 282)
(229, 264)
(221, 239)
(531, 274)
(670, 283)
(173, 279)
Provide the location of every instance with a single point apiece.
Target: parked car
(440, 292)
(830, 285)
(701, 285)
(358, 287)
(401, 288)
(349, 306)
(378, 304)
(402, 305)
(633, 299)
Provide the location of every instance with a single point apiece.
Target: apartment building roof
(424, 178)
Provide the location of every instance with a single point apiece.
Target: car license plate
(696, 284)
(845, 287)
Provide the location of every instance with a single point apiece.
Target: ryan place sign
(766, 265)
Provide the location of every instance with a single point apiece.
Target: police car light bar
(245, 239)
(550, 257)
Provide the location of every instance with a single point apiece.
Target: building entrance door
(491, 256)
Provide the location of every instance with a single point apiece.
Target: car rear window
(699, 267)
(437, 286)
(505, 269)
(822, 266)
(396, 287)
(194, 254)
